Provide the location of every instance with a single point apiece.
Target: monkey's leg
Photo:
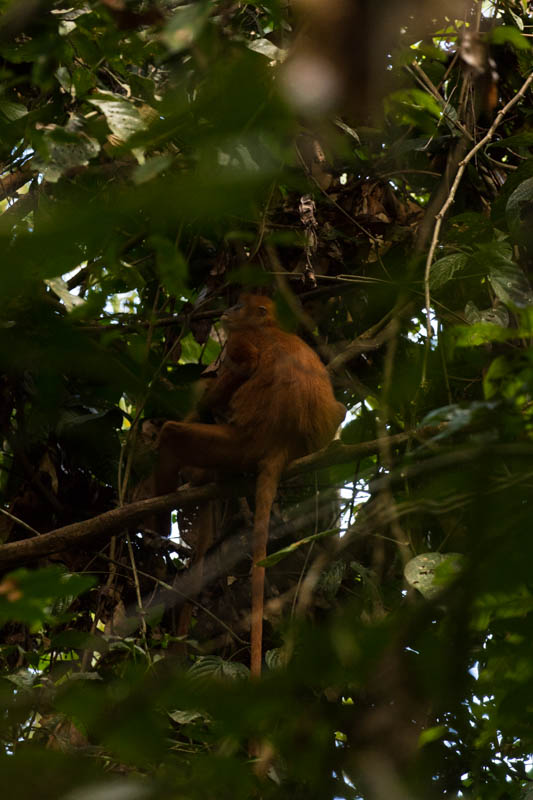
(205, 529)
(192, 444)
(195, 444)
(265, 492)
(202, 447)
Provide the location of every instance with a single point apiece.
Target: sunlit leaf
(64, 155)
(122, 116)
(30, 596)
(268, 49)
(186, 717)
(432, 734)
(151, 169)
(430, 572)
(60, 287)
(481, 333)
(503, 34)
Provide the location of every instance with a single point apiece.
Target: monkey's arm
(240, 362)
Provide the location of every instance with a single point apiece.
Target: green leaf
(331, 579)
(171, 265)
(29, 596)
(65, 81)
(511, 377)
(216, 668)
(151, 168)
(268, 49)
(523, 139)
(498, 370)
(12, 111)
(481, 333)
(519, 22)
(276, 658)
(519, 213)
(186, 717)
(467, 228)
(457, 417)
(498, 315)
(503, 34)
(190, 350)
(23, 678)
(416, 98)
(414, 107)
(445, 268)
(432, 734)
(510, 284)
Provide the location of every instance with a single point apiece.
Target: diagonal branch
(118, 520)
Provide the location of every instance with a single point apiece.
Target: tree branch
(118, 520)
(363, 344)
(12, 181)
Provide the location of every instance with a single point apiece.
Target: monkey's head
(252, 310)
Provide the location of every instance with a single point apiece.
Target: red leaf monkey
(277, 398)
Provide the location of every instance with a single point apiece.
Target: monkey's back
(287, 402)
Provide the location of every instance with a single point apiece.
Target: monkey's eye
(262, 310)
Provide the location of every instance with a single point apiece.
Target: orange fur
(277, 398)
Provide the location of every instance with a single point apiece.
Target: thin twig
(421, 77)
(263, 224)
(142, 612)
(386, 447)
(169, 588)
(20, 522)
(334, 202)
(453, 191)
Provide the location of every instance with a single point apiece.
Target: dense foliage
(375, 174)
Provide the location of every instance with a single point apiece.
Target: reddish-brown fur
(277, 398)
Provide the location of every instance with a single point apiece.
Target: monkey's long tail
(267, 484)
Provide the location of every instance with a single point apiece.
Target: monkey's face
(252, 310)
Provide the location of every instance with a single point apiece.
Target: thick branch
(120, 519)
(106, 524)
(14, 180)
(363, 344)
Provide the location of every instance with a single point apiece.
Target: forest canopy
(370, 168)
